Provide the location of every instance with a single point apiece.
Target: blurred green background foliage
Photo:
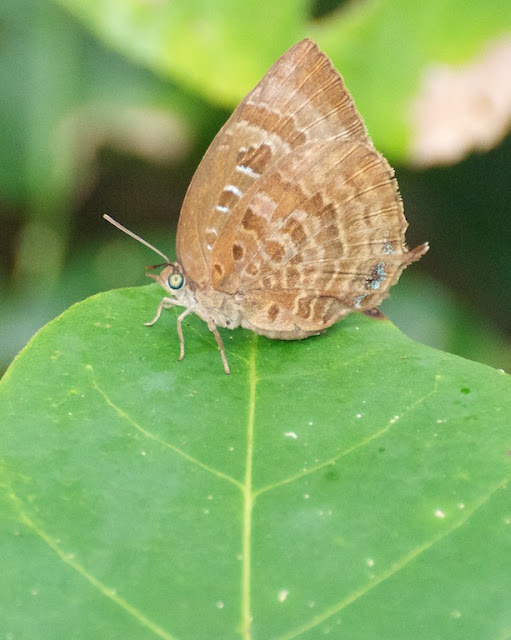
(108, 107)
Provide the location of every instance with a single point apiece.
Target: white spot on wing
(248, 171)
(222, 209)
(233, 189)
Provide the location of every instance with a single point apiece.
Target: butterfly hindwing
(320, 235)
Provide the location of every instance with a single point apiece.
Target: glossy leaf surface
(351, 484)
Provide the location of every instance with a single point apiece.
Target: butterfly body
(292, 219)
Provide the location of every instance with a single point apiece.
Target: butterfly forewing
(301, 99)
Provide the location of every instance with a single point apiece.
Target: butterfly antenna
(134, 235)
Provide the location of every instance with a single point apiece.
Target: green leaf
(352, 484)
(384, 49)
(221, 50)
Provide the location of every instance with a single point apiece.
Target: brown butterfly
(292, 219)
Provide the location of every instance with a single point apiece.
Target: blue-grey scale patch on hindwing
(359, 299)
(376, 277)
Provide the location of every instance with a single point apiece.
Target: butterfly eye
(176, 280)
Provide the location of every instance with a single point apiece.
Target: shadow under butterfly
(292, 219)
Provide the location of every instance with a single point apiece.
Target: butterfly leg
(219, 341)
(166, 303)
(180, 319)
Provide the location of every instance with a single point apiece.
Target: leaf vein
(395, 568)
(163, 443)
(68, 558)
(355, 447)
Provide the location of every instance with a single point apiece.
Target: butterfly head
(171, 277)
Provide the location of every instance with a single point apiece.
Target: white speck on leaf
(291, 434)
(283, 594)
(369, 562)
(439, 513)
(220, 605)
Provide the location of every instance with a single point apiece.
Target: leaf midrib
(248, 500)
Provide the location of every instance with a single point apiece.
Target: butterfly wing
(301, 99)
(321, 234)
